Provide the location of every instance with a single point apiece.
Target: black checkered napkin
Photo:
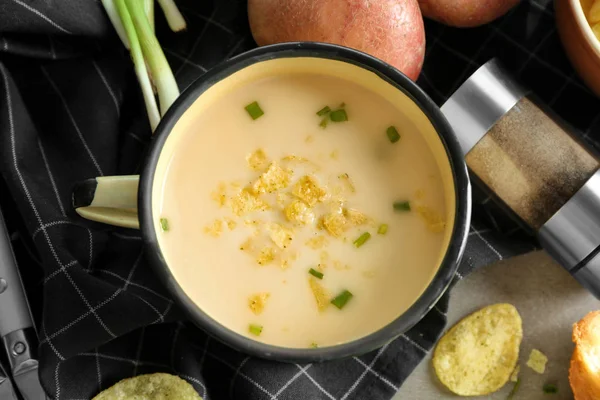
(70, 109)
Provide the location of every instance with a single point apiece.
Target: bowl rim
(585, 26)
(447, 268)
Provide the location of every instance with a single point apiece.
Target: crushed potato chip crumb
(257, 160)
(266, 255)
(220, 194)
(334, 223)
(537, 361)
(334, 155)
(246, 202)
(345, 178)
(257, 302)
(273, 179)
(297, 211)
(231, 224)
(308, 189)
(317, 242)
(280, 235)
(355, 217)
(321, 295)
(434, 222)
(215, 229)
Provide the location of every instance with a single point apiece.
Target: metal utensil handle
(14, 308)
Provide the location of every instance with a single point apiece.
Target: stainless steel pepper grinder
(533, 164)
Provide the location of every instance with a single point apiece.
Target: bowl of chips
(578, 23)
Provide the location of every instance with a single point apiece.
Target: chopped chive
(164, 224)
(324, 122)
(254, 110)
(254, 329)
(362, 239)
(392, 134)
(338, 115)
(314, 345)
(550, 388)
(382, 230)
(341, 299)
(511, 395)
(315, 273)
(402, 206)
(324, 111)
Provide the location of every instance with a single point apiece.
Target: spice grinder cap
(480, 102)
(589, 275)
(572, 235)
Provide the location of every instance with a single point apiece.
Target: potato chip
(537, 361)
(478, 355)
(158, 386)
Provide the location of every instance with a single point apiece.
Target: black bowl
(428, 298)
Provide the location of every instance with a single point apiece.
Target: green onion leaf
(314, 345)
(550, 388)
(382, 230)
(511, 395)
(164, 224)
(341, 299)
(324, 111)
(392, 134)
(362, 239)
(254, 110)
(338, 115)
(254, 329)
(315, 273)
(402, 206)
(324, 123)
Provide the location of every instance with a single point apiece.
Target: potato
(158, 386)
(391, 30)
(478, 355)
(465, 13)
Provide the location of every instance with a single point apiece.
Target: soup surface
(298, 229)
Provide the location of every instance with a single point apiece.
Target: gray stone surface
(549, 302)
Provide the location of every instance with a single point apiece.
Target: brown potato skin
(465, 13)
(586, 335)
(391, 30)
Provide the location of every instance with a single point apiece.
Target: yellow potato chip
(150, 387)
(478, 355)
(537, 361)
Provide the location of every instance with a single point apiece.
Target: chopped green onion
(382, 230)
(254, 110)
(341, 299)
(324, 122)
(514, 389)
(402, 206)
(314, 345)
(550, 388)
(254, 329)
(392, 134)
(324, 111)
(164, 224)
(315, 273)
(362, 239)
(338, 115)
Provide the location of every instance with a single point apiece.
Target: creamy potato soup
(301, 210)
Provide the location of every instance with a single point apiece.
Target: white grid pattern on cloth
(72, 118)
(42, 16)
(207, 23)
(108, 88)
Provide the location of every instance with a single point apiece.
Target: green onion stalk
(134, 22)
